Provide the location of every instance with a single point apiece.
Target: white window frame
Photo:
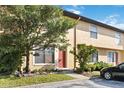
(118, 38)
(33, 59)
(93, 31)
(112, 54)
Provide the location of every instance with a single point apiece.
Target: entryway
(62, 59)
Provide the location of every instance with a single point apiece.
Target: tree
(36, 27)
(10, 55)
(83, 54)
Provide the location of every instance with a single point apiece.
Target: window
(93, 31)
(94, 57)
(39, 56)
(49, 55)
(117, 38)
(44, 56)
(111, 57)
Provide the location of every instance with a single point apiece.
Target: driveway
(80, 82)
(108, 83)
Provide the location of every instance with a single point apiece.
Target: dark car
(112, 72)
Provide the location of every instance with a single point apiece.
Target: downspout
(74, 47)
(75, 43)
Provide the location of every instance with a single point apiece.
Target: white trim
(117, 38)
(42, 64)
(114, 63)
(56, 57)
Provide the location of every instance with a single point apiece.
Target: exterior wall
(106, 37)
(34, 66)
(70, 57)
(104, 43)
(102, 55)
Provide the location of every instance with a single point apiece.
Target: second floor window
(117, 38)
(93, 31)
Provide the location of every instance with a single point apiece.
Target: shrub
(47, 69)
(93, 67)
(41, 70)
(100, 65)
(9, 62)
(90, 67)
(83, 54)
(34, 71)
(87, 68)
(78, 70)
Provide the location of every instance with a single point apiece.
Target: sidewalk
(78, 76)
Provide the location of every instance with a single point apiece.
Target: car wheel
(107, 75)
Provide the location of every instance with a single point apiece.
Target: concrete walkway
(79, 82)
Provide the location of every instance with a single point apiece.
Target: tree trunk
(27, 62)
(20, 71)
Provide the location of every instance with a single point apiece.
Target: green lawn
(6, 81)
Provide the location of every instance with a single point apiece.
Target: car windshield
(120, 64)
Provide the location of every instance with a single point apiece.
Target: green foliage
(100, 65)
(78, 70)
(10, 55)
(93, 67)
(47, 69)
(9, 62)
(30, 21)
(83, 54)
(34, 27)
(90, 67)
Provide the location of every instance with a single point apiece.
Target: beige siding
(106, 37)
(70, 57)
(104, 43)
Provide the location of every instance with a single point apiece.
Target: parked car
(112, 72)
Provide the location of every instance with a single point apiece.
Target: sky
(110, 14)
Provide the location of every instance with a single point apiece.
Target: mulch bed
(88, 74)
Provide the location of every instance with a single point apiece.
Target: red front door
(62, 59)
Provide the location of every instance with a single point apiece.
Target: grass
(7, 81)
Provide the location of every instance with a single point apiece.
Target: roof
(82, 18)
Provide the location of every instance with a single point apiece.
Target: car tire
(107, 75)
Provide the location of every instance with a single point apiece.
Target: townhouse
(108, 40)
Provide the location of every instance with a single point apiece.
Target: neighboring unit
(108, 40)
